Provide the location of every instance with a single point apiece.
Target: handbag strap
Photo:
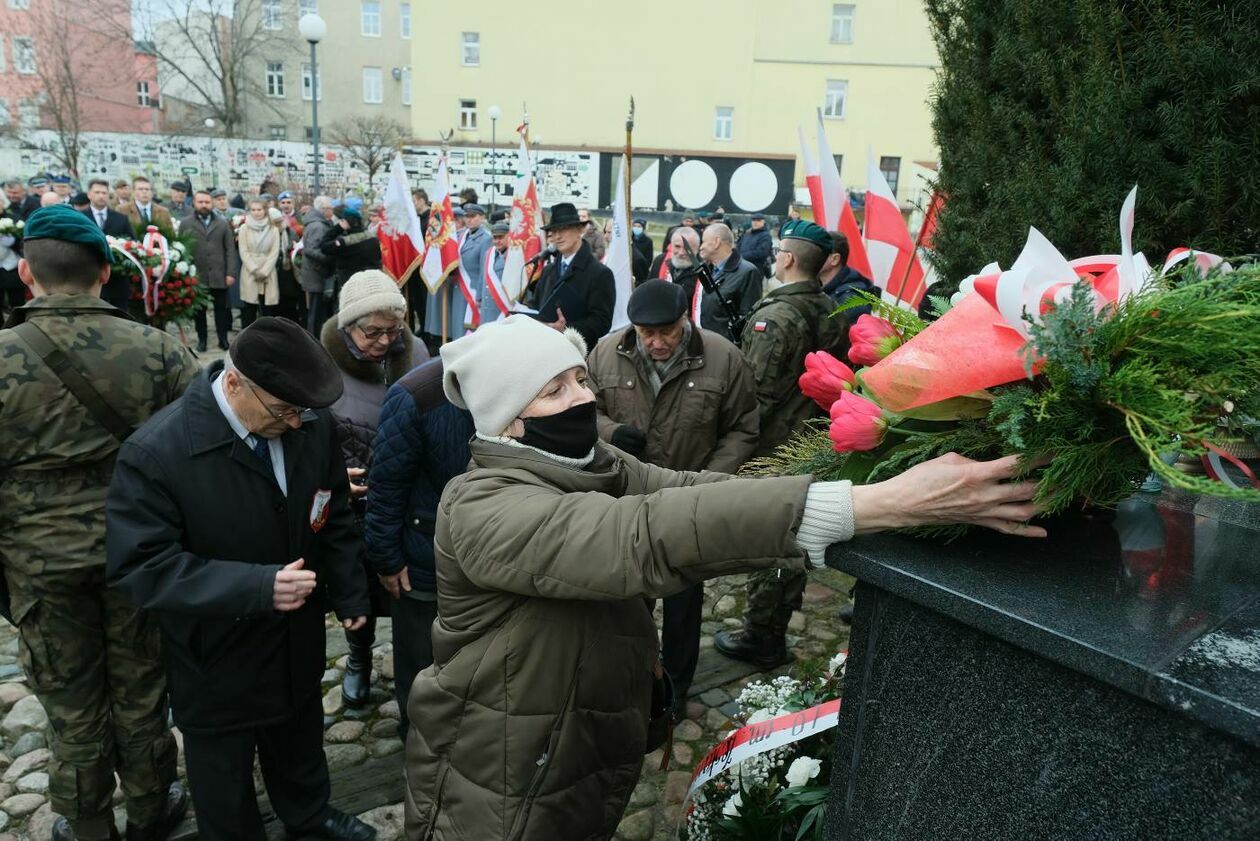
(72, 378)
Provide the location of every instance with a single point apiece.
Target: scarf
(657, 372)
(262, 243)
(575, 463)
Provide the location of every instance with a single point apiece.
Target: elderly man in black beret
(228, 517)
(674, 395)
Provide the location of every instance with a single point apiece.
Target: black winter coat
(593, 282)
(351, 251)
(116, 225)
(196, 529)
(845, 285)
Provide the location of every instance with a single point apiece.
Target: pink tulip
(825, 379)
(857, 424)
(871, 339)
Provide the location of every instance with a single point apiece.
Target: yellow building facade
(722, 81)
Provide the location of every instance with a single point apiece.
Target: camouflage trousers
(93, 661)
(772, 596)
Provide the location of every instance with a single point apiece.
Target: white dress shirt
(277, 448)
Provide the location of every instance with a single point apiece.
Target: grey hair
(722, 232)
(322, 203)
(686, 233)
(399, 312)
(13, 182)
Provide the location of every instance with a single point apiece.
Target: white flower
(760, 716)
(731, 809)
(836, 666)
(21, 224)
(192, 271)
(5, 223)
(802, 770)
(181, 268)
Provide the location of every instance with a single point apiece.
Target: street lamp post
(214, 167)
(495, 112)
(313, 29)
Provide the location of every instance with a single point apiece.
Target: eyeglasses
(374, 333)
(285, 415)
(777, 250)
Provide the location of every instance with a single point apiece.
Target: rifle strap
(73, 379)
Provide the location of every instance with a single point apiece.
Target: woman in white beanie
(259, 246)
(533, 720)
(369, 341)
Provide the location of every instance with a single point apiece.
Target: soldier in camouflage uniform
(90, 656)
(792, 320)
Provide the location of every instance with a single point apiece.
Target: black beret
(656, 303)
(284, 360)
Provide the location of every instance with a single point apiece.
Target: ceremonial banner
(813, 181)
(833, 195)
(895, 265)
(441, 253)
(525, 228)
(617, 257)
(402, 241)
(494, 287)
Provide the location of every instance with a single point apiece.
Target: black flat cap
(284, 360)
(656, 303)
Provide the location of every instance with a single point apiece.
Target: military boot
(764, 650)
(173, 811)
(61, 831)
(357, 683)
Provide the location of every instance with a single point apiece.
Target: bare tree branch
(370, 143)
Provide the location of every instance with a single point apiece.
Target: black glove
(629, 439)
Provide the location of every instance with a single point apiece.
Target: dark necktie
(144, 211)
(100, 220)
(262, 449)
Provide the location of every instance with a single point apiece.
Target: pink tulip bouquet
(1099, 370)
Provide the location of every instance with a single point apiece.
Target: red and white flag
(813, 181)
(830, 200)
(617, 257)
(833, 195)
(441, 254)
(402, 241)
(494, 286)
(894, 263)
(525, 228)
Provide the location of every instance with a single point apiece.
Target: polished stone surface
(949, 733)
(1159, 600)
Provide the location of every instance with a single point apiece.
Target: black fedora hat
(563, 215)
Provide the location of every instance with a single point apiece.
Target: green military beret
(808, 231)
(61, 221)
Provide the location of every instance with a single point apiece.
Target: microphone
(546, 254)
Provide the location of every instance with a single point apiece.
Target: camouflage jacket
(791, 321)
(56, 461)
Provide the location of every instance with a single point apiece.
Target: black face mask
(571, 433)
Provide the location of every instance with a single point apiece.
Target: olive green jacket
(531, 722)
(790, 322)
(56, 461)
(705, 416)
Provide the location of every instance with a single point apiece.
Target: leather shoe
(846, 613)
(61, 831)
(201, 346)
(766, 651)
(173, 811)
(337, 826)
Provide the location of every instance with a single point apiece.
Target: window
(468, 114)
(837, 95)
(891, 167)
(271, 14)
(306, 83)
(28, 113)
(307, 7)
(308, 133)
(472, 49)
(279, 132)
(842, 23)
(373, 85)
(24, 55)
(19, 4)
(406, 86)
(370, 18)
(275, 78)
(723, 123)
(142, 95)
(404, 20)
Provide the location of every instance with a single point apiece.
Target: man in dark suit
(112, 224)
(575, 277)
(239, 579)
(20, 205)
(214, 253)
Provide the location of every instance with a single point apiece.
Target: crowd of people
(512, 498)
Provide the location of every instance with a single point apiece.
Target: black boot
(61, 831)
(173, 811)
(764, 650)
(357, 683)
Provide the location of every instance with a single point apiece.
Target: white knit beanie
(367, 292)
(498, 370)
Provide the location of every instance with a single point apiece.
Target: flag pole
(626, 178)
(446, 285)
(914, 255)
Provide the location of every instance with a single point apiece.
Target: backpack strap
(73, 379)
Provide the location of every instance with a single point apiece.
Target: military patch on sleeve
(759, 327)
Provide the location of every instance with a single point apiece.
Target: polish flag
(617, 257)
(833, 195)
(400, 236)
(813, 181)
(525, 233)
(894, 264)
(441, 253)
(831, 201)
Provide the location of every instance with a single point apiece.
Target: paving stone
(11, 693)
(683, 754)
(671, 814)
(359, 714)
(9, 670)
(23, 765)
(715, 697)
(4, 822)
(797, 622)
(706, 642)
(696, 710)
(331, 676)
(645, 794)
(26, 716)
(820, 631)
(386, 820)
(34, 783)
(637, 827)
(344, 732)
(385, 747)
(387, 668)
(39, 825)
(28, 743)
(652, 762)
(725, 605)
(21, 805)
(676, 783)
(343, 756)
(733, 622)
(389, 709)
(7, 791)
(717, 722)
(687, 731)
(5, 761)
(333, 702)
(329, 721)
(386, 728)
(730, 709)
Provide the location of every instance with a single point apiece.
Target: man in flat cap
(793, 320)
(121, 194)
(63, 187)
(76, 377)
(677, 396)
(229, 519)
(495, 259)
(181, 203)
(755, 244)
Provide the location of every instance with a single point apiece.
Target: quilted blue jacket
(421, 443)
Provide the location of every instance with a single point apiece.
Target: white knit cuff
(828, 519)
